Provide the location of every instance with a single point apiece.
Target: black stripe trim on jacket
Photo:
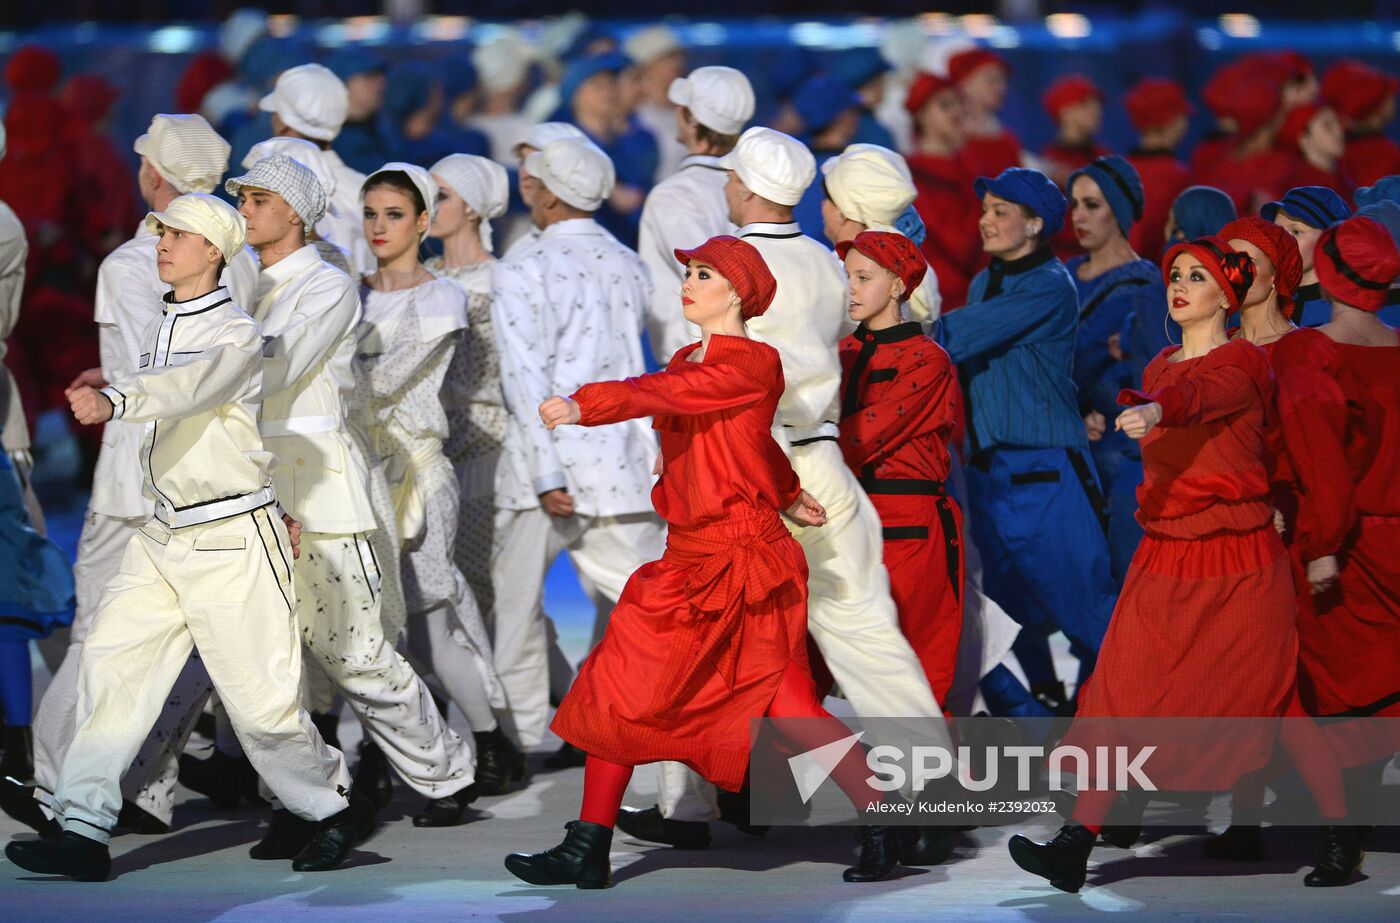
(904, 487)
(774, 236)
(850, 399)
(879, 375)
(1096, 302)
(369, 584)
(1364, 711)
(270, 566)
(1036, 477)
(105, 830)
(904, 533)
(1091, 487)
(216, 304)
(812, 440)
(21, 622)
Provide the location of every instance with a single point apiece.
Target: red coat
(898, 411)
(700, 639)
(1369, 157)
(1163, 179)
(1253, 180)
(950, 209)
(988, 155)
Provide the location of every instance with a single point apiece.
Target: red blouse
(1206, 465)
(898, 405)
(715, 421)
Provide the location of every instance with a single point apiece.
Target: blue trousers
(1038, 519)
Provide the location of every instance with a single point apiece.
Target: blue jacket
(1014, 346)
(1104, 305)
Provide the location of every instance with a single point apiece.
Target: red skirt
(695, 649)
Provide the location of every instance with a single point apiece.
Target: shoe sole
(1024, 856)
(689, 845)
(526, 873)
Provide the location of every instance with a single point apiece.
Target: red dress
(1204, 626)
(699, 641)
(950, 209)
(1163, 179)
(897, 415)
(1341, 423)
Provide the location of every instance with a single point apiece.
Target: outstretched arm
(688, 390)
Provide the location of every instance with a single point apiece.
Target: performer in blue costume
(1305, 212)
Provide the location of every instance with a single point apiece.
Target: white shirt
(197, 389)
(308, 310)
(128, 298)
(504, 130)
(14, 248)
(344, 223)
(660, 121)
(805, 324)
(565, 312)
(683, 211)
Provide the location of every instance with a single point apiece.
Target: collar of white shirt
(571, 226)
(215, 298)
(778, 229)
(290, 265)
(702, 160)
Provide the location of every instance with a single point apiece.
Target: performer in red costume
(1365, 99)
(714, 633)
(981, 77)
(1159, 110)
(898, 410)
(1075, 104)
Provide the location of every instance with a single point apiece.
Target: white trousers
(850, 616)
(225, 588)
(606, 550)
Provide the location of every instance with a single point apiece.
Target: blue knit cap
(1201, 211)
(580, 69)
(1032, 189)
(1120, 184)
(1315, 206)
(820, 100)
(1387, 188)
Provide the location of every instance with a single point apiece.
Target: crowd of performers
(891, 470)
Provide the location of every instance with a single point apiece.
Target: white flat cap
(541, 134)
(720, 98)
(481, 182)
(310, 99)
(772, 164)
(290, 179)
(646, 45)
(422, 180)
(300, 150)
(576, 170)
(869, 184)
(199, 213)
(186, 151)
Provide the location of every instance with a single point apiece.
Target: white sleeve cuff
(117, 400)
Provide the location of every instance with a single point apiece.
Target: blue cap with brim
(1032, 189)
(821, 100)
(580, 69)
(1315, 206)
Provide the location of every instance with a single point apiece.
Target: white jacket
(568, 310)
(344, 223)
(129, 298)
(197, 391)
(684, 210)
(308, 310)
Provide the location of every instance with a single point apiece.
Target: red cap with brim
(742, 265)
(924, 87)
(1156, 101)
(962, 64)
(1069, 91)
(1232, 270)
(893, 252)
(1356, 262)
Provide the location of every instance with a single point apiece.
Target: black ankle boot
(286, 836)
(218, 778)
(448, 810)
(1342, 857)
(566, 757)
(931, 846)
(336, 836)
(1121, 836)
(372, 776)
(18, 801)
(498, 762)
(71, 855)
(880, 849)
(648, 824)
(328, 726)
(136, 819)
(1239, 843)
(581, 860)
(734, 809)
(1063, 861)
(18, 761)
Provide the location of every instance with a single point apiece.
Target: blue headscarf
(1120, 184)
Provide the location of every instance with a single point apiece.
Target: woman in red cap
(981, 77)
(1075, 104)
(1314, 135)
(1160, 112)
(1266, 313)
(943, 176)
(1365, 99)
(715, 633)
(1253, 171)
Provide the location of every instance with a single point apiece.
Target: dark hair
(707, 135)
(397, 179)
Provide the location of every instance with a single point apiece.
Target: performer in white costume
(313, 158)
(533, 140)
(712, 105)
(566, 310)
(211, 569)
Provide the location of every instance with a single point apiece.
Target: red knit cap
(1068, 91)
(1156, 101)
(88, 97)
(1355, 90)
(1253, 101)
(33, 69)
(1295, 125)
(962, 64)
(1280, 247)
(1232, 270)
(742, 265)
(924, 87)
(1356, 262)
(894, 252)
(1280, 66)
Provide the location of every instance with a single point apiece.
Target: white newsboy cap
(869, 184)
(200, 213)
(291, 179)
(576, 170)
(310, 99)
(186, 151)
(422, 180)
(646, 45)
(720, 98)
(542, 133)
(772, 164)
(300, 150)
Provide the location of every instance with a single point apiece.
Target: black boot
(581, 860)
(1063, 861)
(1121, 836)
(880, 849)
(217, 778)
(932, 846)
(448, 810)
(1239, 843)
(734, 809)
(18, 761)
(498, 762)
(372, 776)
(70, 855)
(328, 726)
(566, 757)
(286, 836)
(1342, 857)
(18, 801)
(336, 836)
(136, 819)
(648, 824)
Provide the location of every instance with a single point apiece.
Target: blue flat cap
(1032, 189)
(1315, 206)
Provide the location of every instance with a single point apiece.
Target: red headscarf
(33, 69)
(1354, 90)
(1232, 270)
(894, 252)
(1356, 261)
(1280, 247)
(742, 265)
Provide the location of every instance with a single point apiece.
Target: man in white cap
(179, 154)
(535, 139)
(311, 102)
(334, 225)
(210, 570)
(711, 107)
(850, 614)
(658, 61)
(565, 310)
